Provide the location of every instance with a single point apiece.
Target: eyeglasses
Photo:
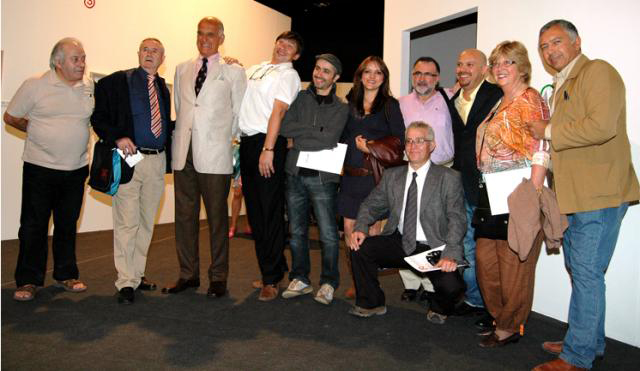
(418, 74)
(265, 72)
(505, 63)
(417, 141)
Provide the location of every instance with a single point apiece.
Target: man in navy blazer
(436, 218)
(468, 108)
(133, 113)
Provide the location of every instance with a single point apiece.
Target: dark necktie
(410, 217)
(202, 75)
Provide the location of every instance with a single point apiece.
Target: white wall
(610, 31)
(111, 32)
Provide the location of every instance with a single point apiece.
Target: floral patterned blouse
(504, 142)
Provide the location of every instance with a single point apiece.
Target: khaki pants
(412, 281)
(134, 210)
(506, 283)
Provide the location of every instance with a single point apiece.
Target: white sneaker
(296, 288)
(325, 294)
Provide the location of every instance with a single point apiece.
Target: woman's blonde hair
(515, 51)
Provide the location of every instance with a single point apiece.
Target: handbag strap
(115, 158)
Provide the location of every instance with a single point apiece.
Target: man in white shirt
(416, 224)
(271, 88)
(54, 110)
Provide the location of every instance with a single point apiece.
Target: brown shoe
(257, 284)
(553, 347)
(492, 341)
(268, 292)
(557, 365)
(350, 293)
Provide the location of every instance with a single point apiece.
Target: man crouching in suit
(133, 112)
(434, 190)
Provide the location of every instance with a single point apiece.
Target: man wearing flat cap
(314, 122)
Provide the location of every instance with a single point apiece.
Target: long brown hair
(356, 95)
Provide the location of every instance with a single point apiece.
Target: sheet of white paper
(420, 262)
(131, 160)
(501, 184)
(328, 160)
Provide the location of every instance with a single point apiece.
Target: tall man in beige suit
(207, 96)
(594, 182)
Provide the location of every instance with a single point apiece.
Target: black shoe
(217, 289)
(181, 285)
(409, 295)
(485, 323)
(425, 295)
(126, 295)
(146, 285)
(466, 310)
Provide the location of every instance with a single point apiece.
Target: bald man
(54, 110)
(468, 108)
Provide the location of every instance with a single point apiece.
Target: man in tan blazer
(207, 96)
(594, 182)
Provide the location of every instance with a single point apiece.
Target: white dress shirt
(422, 175)
(266, 82)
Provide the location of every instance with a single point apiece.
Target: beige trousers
(412, 281)
(134, 209)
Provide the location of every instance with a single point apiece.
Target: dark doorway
(443, 41)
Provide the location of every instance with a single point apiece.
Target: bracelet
(267, 149)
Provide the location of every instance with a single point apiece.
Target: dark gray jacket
(442, 214)
(313, 127)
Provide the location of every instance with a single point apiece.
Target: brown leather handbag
(384, 153)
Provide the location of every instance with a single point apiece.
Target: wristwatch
(267, 149)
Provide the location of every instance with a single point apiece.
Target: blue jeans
(302, 191)
(588, 246)
(472, 295)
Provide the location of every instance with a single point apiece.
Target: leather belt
(150, 151)
(357, 171)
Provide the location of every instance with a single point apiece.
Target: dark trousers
(264, 198)
(46, 191)
(386, 252)
(190, 186)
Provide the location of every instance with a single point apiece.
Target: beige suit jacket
(209, 121)
(590, 148)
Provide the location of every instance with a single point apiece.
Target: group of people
(450, 138)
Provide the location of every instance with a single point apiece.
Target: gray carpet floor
(87, 331)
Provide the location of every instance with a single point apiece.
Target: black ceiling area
(350, 29)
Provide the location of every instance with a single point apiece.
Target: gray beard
(427, 92)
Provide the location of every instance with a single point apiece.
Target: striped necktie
(156, 119)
